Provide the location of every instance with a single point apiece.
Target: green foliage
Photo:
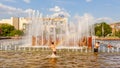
(9, 30)
(6, 29)
(98, 33)
(16, 33)
(117, 33)
(102, 29)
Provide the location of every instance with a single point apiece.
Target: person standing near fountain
(97, 45)
(109, 46)
(53, 47)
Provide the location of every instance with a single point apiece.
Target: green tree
(98, 33)
(6, 29)
(117, 33)
(16, 33)
(102, 29)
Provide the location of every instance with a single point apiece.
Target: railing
(115, 46)
(17, 46)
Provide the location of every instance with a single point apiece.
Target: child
(52, 46)
(109, 46)
(97, 45)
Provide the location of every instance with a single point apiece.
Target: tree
(117, 33)
(102, 29)
(9, 30)
(6, 29)
(16, 33)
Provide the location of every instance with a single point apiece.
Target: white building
(17, 22)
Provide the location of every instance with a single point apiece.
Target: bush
(117, 33)
(16, 33)
(6, 29)
(9, 30)
(102, 29)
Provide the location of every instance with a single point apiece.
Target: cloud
(61, 14)
(57, 11)
(28, 10)
(91, 19)
(88, 0)
(6, 10)
(26, 1)
(86, 18)
(104, 19)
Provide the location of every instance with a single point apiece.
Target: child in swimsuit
(53, 48)
(97, 45)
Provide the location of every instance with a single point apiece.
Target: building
(21, 23)
(8, 21)
(115, 27)
(18, 23)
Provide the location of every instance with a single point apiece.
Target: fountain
(74, 35)
(66, 34)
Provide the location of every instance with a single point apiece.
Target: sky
(108, 10)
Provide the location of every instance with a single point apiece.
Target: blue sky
(108, 9)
